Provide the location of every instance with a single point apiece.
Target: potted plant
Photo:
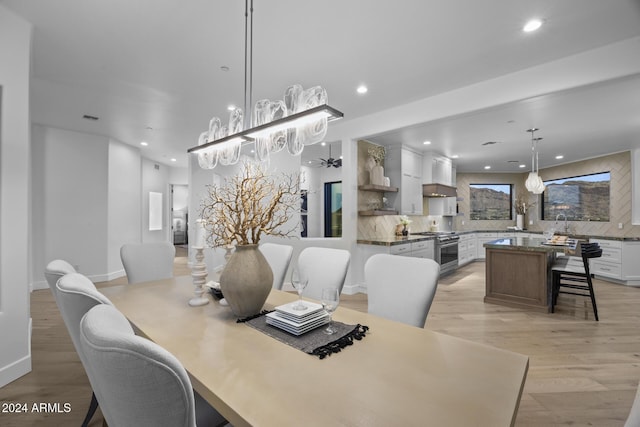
(245, 208)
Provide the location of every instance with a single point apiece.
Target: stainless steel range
(446, 250)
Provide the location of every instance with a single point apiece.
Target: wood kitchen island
(518, 273)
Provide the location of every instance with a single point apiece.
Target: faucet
(566, 226)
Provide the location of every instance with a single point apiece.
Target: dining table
(396, 374)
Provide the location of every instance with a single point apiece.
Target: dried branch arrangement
(521, 205)
(249, 206)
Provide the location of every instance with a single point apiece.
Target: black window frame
(510, 199)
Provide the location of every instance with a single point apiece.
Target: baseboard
(95, 278)
(16, 369)
(352, 289)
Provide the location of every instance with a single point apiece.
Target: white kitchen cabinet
(482, 238)
(404, 168)
(466, 248)
(631, 262)
(445, 206)
(437, 169)
(609, 265)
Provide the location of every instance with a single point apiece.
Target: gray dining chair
(54, 271)
(138, 382)
(323, 267)
(278, 256)
(401, 288)
(147, 261)
(76, 295)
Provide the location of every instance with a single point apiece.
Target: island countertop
(529, 244)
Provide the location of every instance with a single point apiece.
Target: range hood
(438, 190)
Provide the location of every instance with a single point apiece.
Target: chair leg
(555, 287)
(593, 298)
(92, 410)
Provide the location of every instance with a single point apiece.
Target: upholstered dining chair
(138, 383)
(633, 420)
(76, 295)
(54, 271)
(147, 261)
(401, 288)
(323, 267)
(278, 256)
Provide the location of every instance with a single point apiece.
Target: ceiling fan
(330, 162)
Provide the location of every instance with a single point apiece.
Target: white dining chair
(633, 420)
(76, 295)
(54, 271)
(323, 267)
(401, 288)
(147, 261)
(138, 382)
(278, 256)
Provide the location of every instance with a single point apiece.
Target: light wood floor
(582, 372)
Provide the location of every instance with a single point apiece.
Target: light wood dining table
(396, 375)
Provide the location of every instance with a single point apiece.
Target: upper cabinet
(437, 169)
(404, 168)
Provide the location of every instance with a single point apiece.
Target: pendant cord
(248, 62)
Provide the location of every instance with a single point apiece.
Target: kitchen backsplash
(385, 225)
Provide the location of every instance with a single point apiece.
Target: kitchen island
(518, 272)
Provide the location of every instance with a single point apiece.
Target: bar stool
(575, 278)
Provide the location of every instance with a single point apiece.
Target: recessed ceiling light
(362, 89)
(455, 156)
(487, 167)
(323, 143)
(559, 156)
(144, 143)
(173, 160)
(427, 143)
(231, 107)
(532, 25)
(522, 166)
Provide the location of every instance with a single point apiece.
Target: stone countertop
(527, 244)
(393, 240)
(399, 240)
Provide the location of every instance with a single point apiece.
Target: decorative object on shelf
(521, 207)
(299, 119)
(199, 268)
(433, 226)
(405, 221)
(240, 212)
(534, 182)
(376, 174)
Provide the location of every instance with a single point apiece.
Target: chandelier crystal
(300, 118)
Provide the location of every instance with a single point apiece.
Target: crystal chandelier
(299, 119)
(534, 182)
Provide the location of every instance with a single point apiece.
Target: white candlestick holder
(199, 275)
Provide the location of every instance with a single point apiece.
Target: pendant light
(299, 119)
(534, 182)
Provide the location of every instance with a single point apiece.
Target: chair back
(278, 256)
(137, 382)
(323, 267)
(401, 288)
(54, 271)
(588, 251)
(633, 420)
(77, 295)
(147, 261)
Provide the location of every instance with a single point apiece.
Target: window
(579, 198)
(490, 201)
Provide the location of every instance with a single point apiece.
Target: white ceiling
(151, 70)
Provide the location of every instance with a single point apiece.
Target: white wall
(124, 203)
(15, 321)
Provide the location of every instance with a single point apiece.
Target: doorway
(180, 214)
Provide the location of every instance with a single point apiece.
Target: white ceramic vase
(376, 175)
(520, 221)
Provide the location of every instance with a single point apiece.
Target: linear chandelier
(299, 119)
(534, 182)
